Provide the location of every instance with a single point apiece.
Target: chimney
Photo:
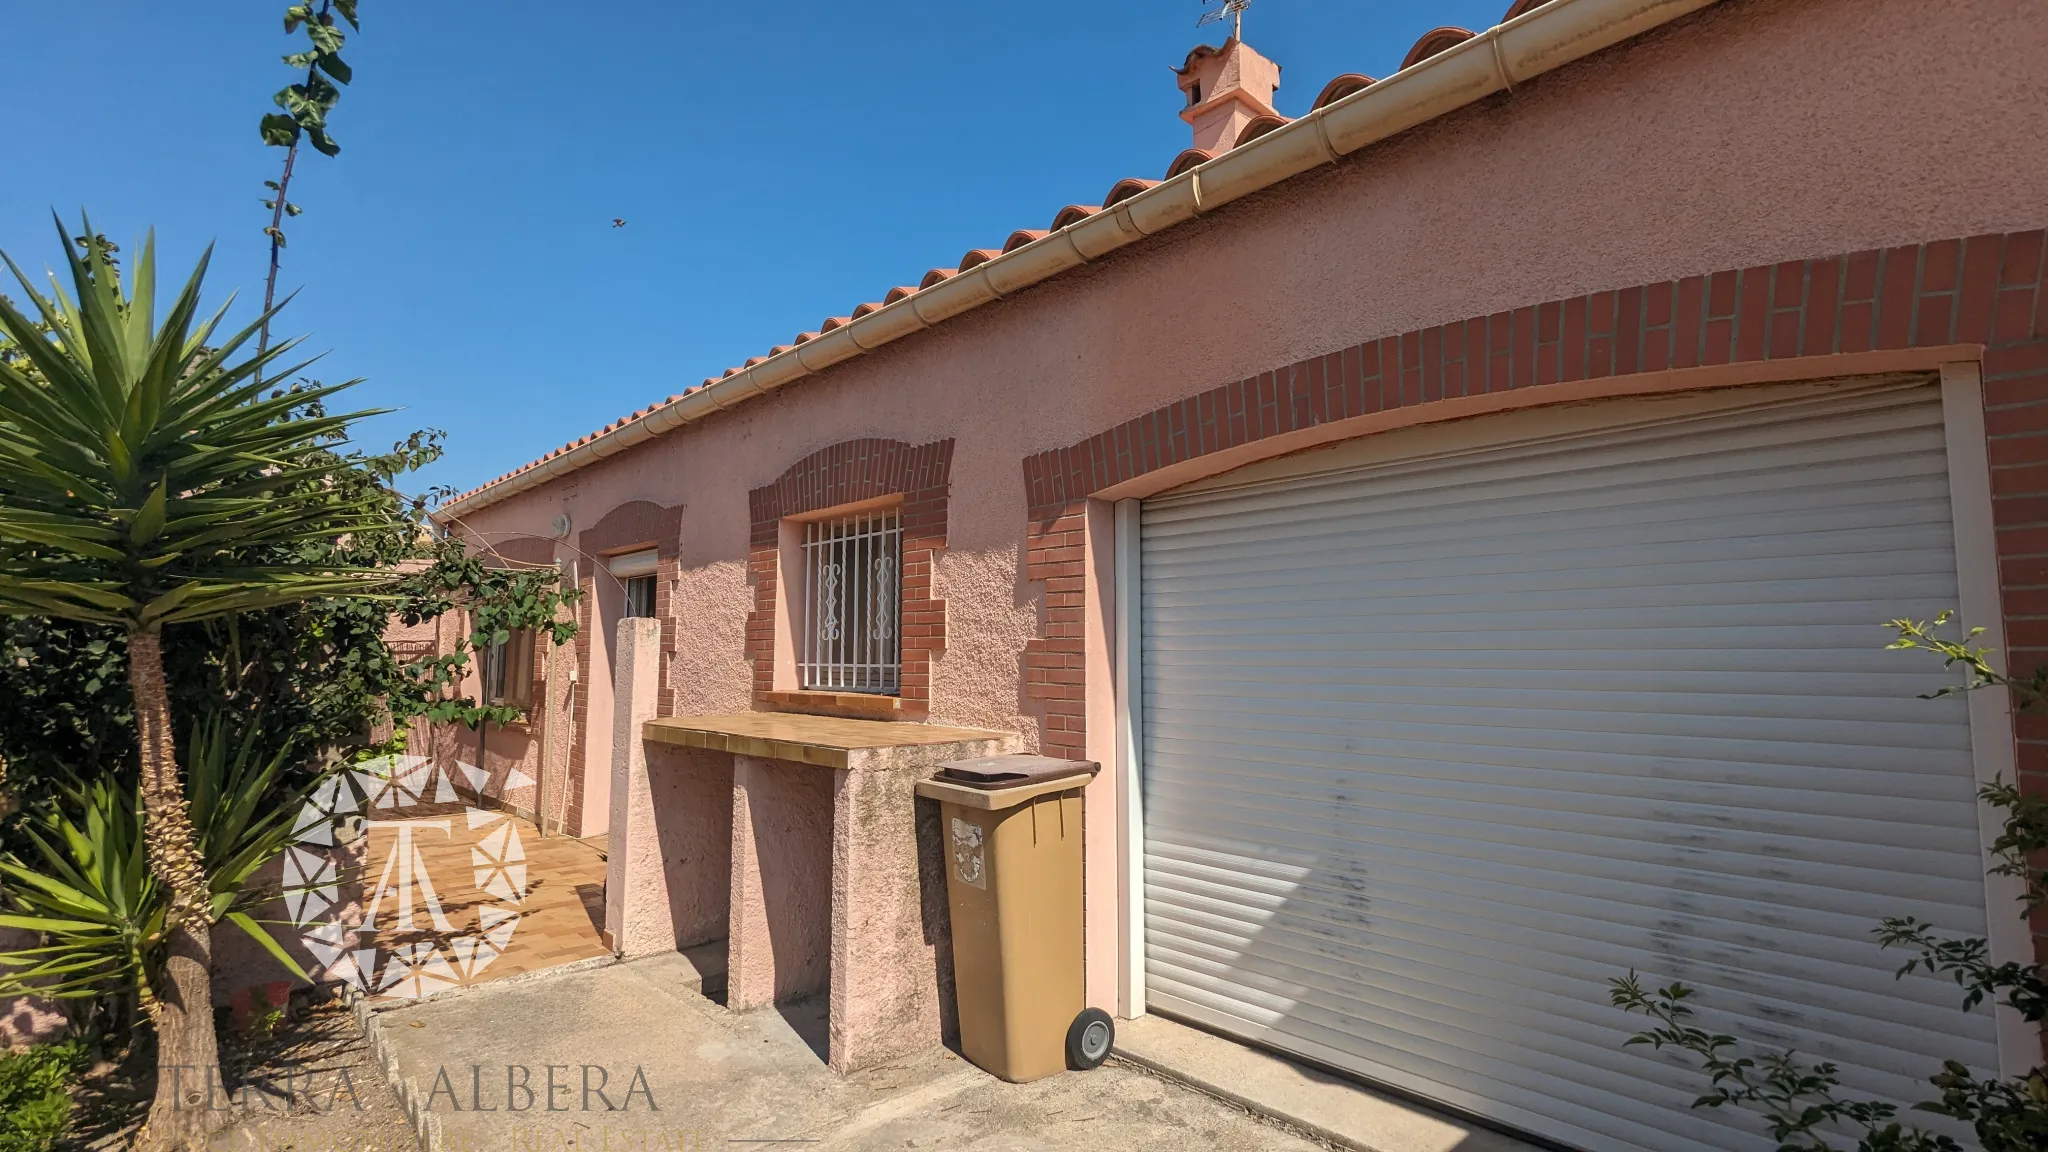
(1227, 89)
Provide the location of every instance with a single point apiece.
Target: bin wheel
(1089, 1038)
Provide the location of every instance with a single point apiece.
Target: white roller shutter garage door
(1435, 745)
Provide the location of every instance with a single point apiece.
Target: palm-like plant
(85, 890)
(145, 479)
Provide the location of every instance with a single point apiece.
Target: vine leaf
(279, 130)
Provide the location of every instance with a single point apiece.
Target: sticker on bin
(967, 859)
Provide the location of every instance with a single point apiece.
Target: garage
(1442, 729)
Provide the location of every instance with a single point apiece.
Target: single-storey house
(1461, 521)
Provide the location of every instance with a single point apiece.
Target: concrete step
(700, 969)
(1328, 1107)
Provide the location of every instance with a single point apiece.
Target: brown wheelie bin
(1011, 826)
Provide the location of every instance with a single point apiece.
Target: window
(640, 596)
(850, 632)
(635, 573)
(508, 671)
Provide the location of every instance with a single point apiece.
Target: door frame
(1130, 743)
(1992, 740)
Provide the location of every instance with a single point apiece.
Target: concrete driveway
(630, 1056)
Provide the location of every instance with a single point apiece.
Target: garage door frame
(1990, 718)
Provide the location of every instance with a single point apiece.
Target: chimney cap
(1227, 88)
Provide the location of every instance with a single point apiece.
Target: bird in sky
(618, 221)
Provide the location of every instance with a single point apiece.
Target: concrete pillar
(778, 945)
(691, 791)
(636, 906)
(889, 915)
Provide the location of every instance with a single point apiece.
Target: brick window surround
(630, 527)
(853, 474)
(1833, 315)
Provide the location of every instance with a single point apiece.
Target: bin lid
(1016, 770)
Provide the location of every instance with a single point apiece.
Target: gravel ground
(311, 1086)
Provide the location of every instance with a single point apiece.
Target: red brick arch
(1985, 291)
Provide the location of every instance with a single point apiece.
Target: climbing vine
(306, 105)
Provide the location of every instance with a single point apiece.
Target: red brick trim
(851, 473)
(1055, 554)
(522, 550)
(627, 526)
(1985, 290)
(1980, 291)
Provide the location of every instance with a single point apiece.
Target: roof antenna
(1232, 10)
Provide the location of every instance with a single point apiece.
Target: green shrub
(35, 1094)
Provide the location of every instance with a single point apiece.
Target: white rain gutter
(1495, 60)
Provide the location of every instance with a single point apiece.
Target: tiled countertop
(821, 740)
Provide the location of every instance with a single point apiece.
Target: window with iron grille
(851, 634)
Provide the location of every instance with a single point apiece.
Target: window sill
(853, 705)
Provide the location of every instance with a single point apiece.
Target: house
(1461, 520)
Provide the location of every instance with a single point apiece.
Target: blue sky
(776, 162)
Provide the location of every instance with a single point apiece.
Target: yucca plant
(146, 479)
(85, 890)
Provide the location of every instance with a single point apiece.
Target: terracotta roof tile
(1023, 236)
(936, 276)
(900, 292)
(1187, 160)
(1434, 41)
(1259, 126)
(1126, 188)
(1341, 87)
(978, 256)
(1074, 214)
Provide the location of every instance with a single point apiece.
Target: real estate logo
(403, 943)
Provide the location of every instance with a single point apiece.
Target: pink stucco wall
(779, 949)
(1752, 132)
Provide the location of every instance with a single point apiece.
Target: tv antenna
(1231, 10)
